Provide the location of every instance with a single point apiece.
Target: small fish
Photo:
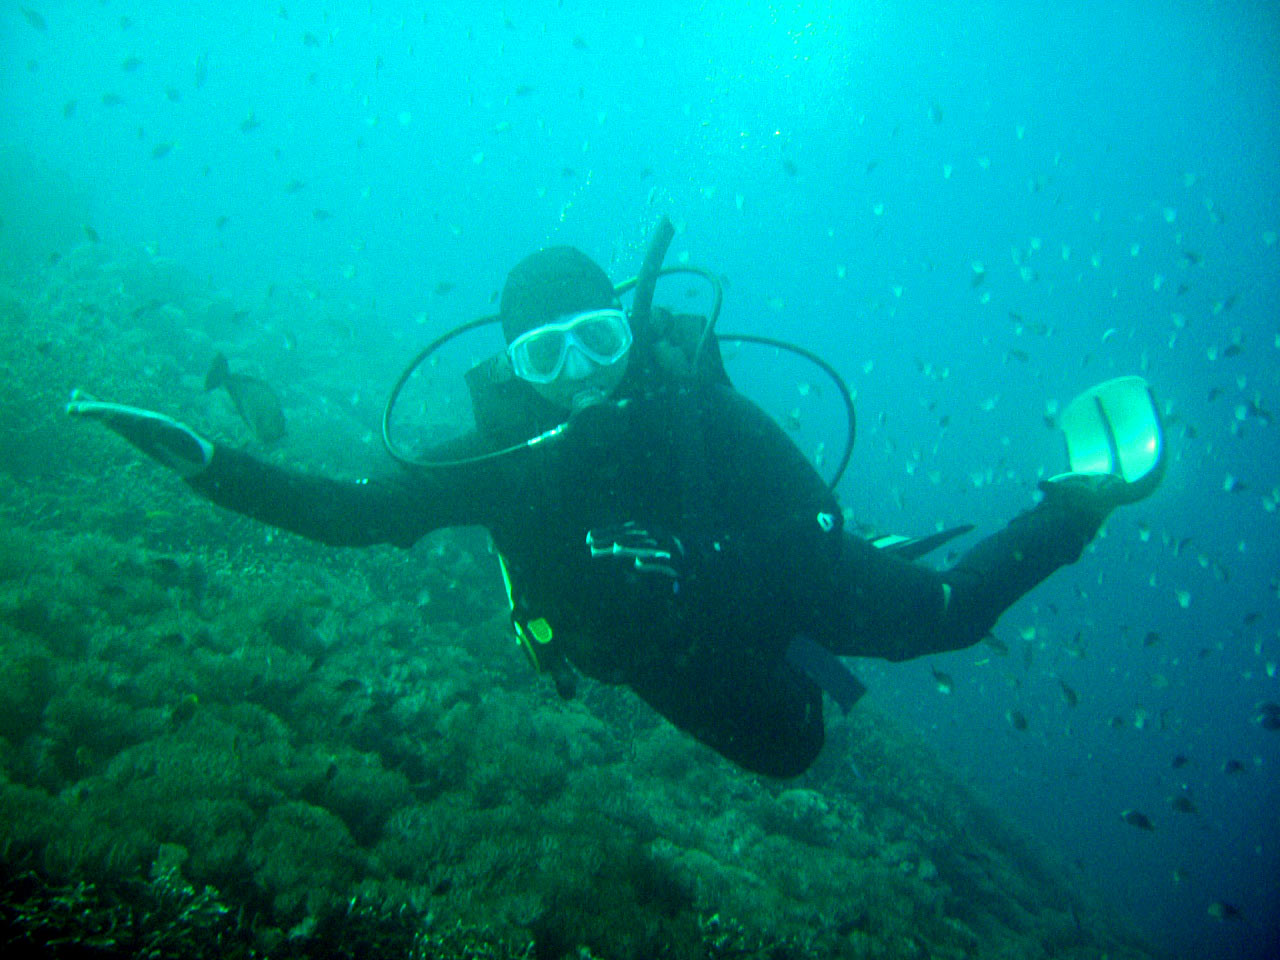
(1233, 766)
(579, 43)
(309, 39)
(112, 99)
(172, 95)
(130, 64)
(161, 149)
(790, 167)
(1180, 760)
(140, 311)
(1182, 803)
(254, 399)
(1069, 695)
(996, 644)
(202, 69)
(1267, 716)
(1257, 411)
(320, 214)
(1135, 818)
(443, 287)
(1151, 639)
(524, 90)
(249, 123)
(168, 568)
(34, 19)
(294, 185)
(1223, 911)
(183, 710)
(1016, 719)
(69, 109)
(942, 680)
(91, 234)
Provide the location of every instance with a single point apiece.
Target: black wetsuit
(765, 556)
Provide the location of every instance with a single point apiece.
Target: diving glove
(1094, 495)
(162, 438)
(642, 550)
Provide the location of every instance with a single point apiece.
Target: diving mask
(539, 355)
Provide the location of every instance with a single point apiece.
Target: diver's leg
(887, 607)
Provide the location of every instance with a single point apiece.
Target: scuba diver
(657, 529)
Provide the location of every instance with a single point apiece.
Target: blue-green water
(973, 210)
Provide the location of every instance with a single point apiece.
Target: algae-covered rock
(803, 815)
(304, 858)
(28, 817)
(59, 624)
(26, 676)
(363, 793)
(88, 726)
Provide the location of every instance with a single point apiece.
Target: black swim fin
(219, 370)
(826, 670)
(913, 548)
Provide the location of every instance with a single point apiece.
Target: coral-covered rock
(304, 858)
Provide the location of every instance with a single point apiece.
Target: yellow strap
(540, 629)
(529, 635)
(506, 581)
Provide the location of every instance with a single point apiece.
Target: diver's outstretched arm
(396, 510)
(340, 513)
(883, 606)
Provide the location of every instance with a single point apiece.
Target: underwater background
(220, 740)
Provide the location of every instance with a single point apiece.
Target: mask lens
(603, 336)
(543, 353)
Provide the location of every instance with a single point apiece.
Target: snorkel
(641, 307)
(647, 280)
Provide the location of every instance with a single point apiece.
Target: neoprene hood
(548, 285)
